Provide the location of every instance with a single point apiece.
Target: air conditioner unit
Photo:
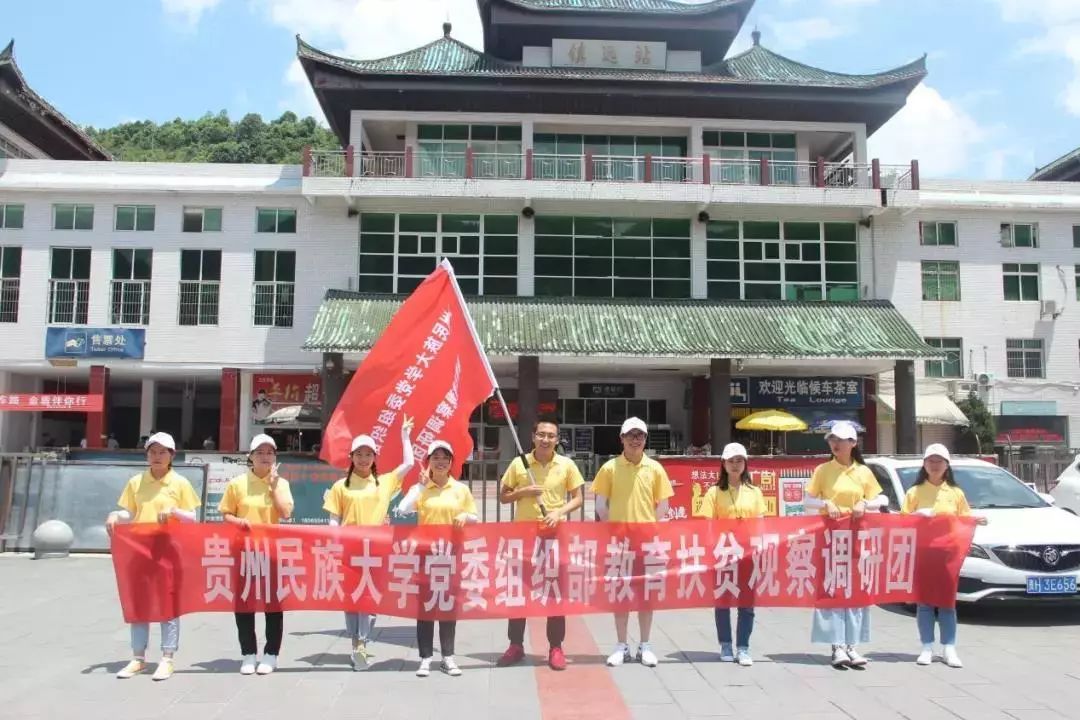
(1048, 307)
(985, 379)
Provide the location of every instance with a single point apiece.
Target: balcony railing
(588, 167)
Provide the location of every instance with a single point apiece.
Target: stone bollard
(52, 539)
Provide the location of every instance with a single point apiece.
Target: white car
(1028, 550)
(1066, 489)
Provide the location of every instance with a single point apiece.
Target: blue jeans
(359, 626)
(946, 618)
(743, 627)
(170, 637)
(841, 626)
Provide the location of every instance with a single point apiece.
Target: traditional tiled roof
(38, 104)
(448, 57)
(636, 7)
(352, 322)
(1066, 167)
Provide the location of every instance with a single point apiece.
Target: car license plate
(1051, 585)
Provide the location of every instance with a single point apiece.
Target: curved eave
(1070, 161)
(671, 9)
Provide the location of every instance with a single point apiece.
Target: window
(398, 251)
(1024, 358)
(561, 156)
(937, 233)
(9, 149)
(135, 217)
(69, 285)
(275, 282)
(1076, 280)
(738, 156)
(131, 287)
(953, 364)
(940, 280)
(801, 261)
(1020, 281)
(496, 150)
(10, 272)
(598, 411)
(1020, 235)
(200, 286)
(1076, 236)
(612, 257)
(11, 217)
(197, 219)
(73, 217)
(276, 220)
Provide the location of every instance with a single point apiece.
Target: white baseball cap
(843, 430)
(634, 423)
(439, 445)
(163, 439)
(937, 449)
(733, 450)
(362, 441)
(260, 440)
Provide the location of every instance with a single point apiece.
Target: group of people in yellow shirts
(544, 487)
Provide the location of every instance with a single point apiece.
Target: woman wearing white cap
(156, 495)
(935, 492)
(843, 486)
(734, 496)
(439, 500)
(259, 496)
(362, 498)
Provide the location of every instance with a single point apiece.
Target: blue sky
(1002, 97)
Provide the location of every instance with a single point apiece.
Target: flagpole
(445, 264)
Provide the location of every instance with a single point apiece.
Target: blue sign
(1029, 407)
(805, 392)
(94, 343)
(740, 391)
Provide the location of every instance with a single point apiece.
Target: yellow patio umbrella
(773, 421)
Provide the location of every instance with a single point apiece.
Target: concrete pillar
(528, 397)
(907, 439)
(187, 418)
(526, 286)
(97, 424)
(333, 383)
(699, 280)
(147, 407)
(719, 403)
(229, 424)
(870, 438)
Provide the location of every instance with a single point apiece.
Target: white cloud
(189, 10)
(936, 132)
(1059, 24)
(796, 34)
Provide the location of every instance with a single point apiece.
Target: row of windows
(1019, 281)
(1023, 358)
(132, 272)
(76, 216)
(1024, 235)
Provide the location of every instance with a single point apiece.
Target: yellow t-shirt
(440, 505)
(844, 486)
(558, 478)
(944, 499)
(145, 496)
(364, 502)
(248, 497)
(632, 491)
(746, 501)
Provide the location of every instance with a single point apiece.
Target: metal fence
(1040, 471)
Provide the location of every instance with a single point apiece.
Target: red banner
(427, 364)
(38, 402)
(781, 479)
(523, 570)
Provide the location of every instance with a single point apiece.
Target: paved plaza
(63, 639)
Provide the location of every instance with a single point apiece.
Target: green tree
(980, 434)
(216, 138)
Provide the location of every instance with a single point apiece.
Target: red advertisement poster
(780, 478)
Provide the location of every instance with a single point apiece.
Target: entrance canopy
(350, 322)
(935, 409)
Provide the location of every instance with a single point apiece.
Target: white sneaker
(840, 657)
(646, 656)
(743, 658)
(164, 670)
(247, 665)
(621, 655)
(450, 667)
(132, 669)
(425, 667)
(951, 658)
(268, 665)
(359, 657)
(926, 656)
(856, 660)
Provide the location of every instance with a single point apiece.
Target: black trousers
(556, 631)
(425, 637)
(245, 630)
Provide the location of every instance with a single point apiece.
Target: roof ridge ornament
(756, 35)
(446, 28)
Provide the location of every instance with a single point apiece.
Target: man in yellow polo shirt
(539, 495)
(632, 488)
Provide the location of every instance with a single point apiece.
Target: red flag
(428, 364)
